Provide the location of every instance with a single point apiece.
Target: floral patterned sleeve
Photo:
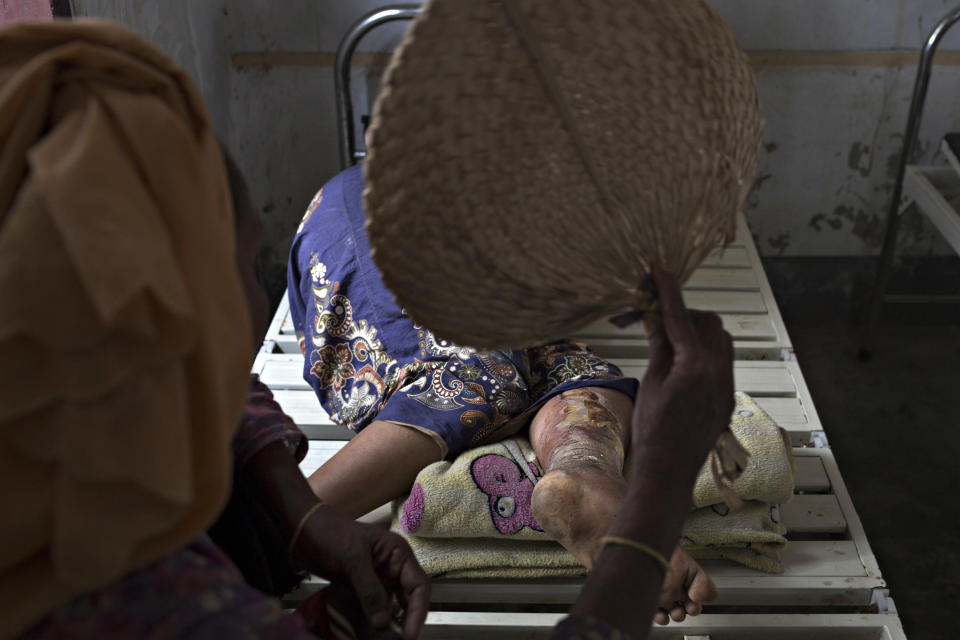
(264, 423)
(586, 628)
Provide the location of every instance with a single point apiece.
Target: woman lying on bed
(415, 399)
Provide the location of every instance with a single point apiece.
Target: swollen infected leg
(580, 437)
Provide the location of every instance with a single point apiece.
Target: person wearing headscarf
(129, 315)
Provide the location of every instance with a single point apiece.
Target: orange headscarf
(124, 330)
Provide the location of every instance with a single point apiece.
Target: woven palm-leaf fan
(529, 160)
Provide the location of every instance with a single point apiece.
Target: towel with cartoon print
(472, 517)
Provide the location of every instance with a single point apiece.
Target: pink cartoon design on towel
(413, 509)
(509, 490)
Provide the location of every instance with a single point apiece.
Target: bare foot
(685, 589)
(577, 507)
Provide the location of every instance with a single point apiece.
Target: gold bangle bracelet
(639, 546)
(303, 521)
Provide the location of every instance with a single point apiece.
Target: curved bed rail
(349, 154)
(906, 156)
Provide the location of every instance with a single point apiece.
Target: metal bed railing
(349, 151)
(920, 86)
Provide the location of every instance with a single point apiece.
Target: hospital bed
(831, 586)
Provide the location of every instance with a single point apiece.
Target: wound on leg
(588, 433)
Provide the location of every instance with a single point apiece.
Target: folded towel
(472, 517)
(483, 493)
(769, 474)
(752, 536)
(493, 558)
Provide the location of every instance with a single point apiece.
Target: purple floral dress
(366, 359)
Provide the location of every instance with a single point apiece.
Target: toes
(678, 612)
(670, 597)
(702, 589)
(674, 590)
(685, 588)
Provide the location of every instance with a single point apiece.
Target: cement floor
(894, 425)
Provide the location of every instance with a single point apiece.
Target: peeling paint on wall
(820, 218)
(855, 158)
(779, 243)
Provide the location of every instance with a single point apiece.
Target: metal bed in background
(913, 186)
(831, 586)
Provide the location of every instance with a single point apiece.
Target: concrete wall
(835, 78)
(834, 128)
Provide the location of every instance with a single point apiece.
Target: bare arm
(684, 403)
(374, 562)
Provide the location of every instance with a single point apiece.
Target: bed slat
(813, 513)
(723, 278)
(740, 326)
(456, 625)
(760, 378)
(809, 476)
(732, 257)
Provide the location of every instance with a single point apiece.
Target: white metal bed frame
(831, 586)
